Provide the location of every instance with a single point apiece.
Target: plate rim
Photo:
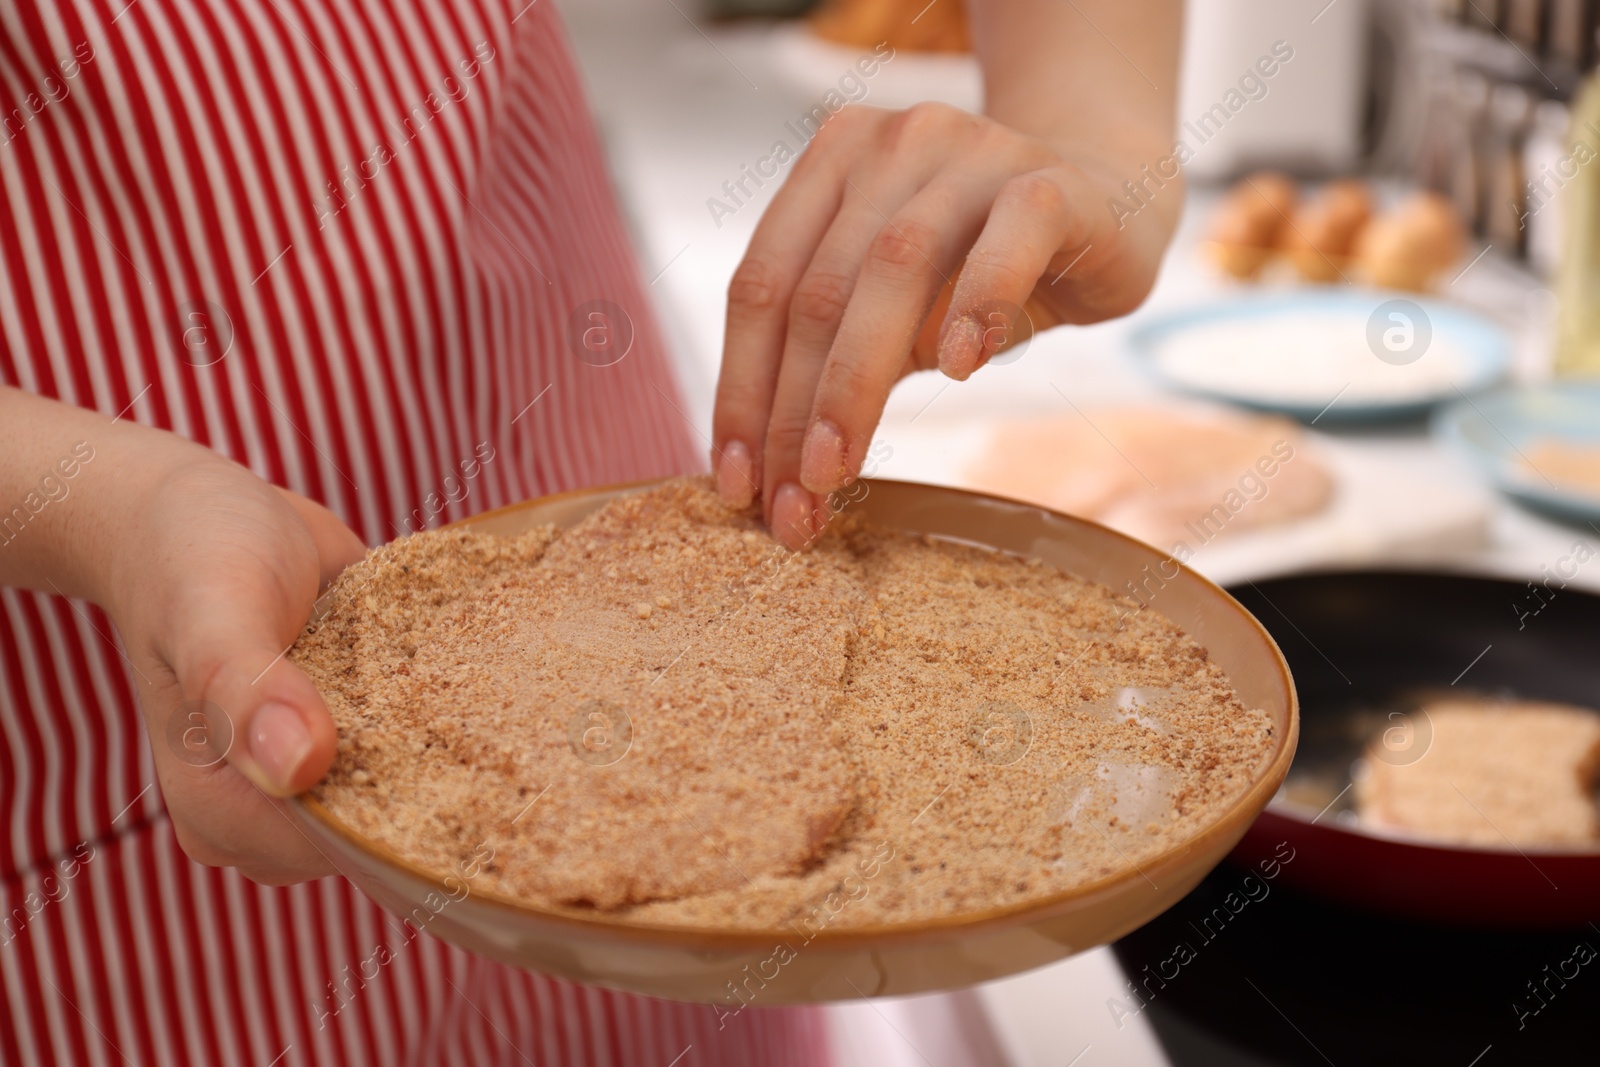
(1448, 426)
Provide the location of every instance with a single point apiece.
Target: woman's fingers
(228, 650)
(239, 566)
(824, 319)
(759, 297)
(910, 259)
(1033, 219)
(817, 308)
(789, 294)
(233, 572)
(815, 312)
(222, 816)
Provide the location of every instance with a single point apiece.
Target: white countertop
(681, 108)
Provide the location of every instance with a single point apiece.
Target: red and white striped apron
(382, 219)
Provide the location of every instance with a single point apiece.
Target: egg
(1245, 227)
(1407, 247)
(1321, 235)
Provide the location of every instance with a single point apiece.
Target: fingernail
(736, 478)
(791, 516)
(822, 468)
(961, 349)
(279, 743)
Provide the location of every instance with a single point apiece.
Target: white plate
(1341, 355)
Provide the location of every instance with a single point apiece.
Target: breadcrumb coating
(664, 714)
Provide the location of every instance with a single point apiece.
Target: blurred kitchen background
(1470, 126)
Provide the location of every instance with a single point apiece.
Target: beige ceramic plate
(943, 953)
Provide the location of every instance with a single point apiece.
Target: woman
(281, 279)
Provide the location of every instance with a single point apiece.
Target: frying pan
(1362, 644)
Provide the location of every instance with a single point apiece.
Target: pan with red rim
(1366, 648)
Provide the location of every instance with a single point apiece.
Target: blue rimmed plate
(1326, 355)
(1497, 432)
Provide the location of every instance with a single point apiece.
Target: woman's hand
(903, 241)
(219, 574)
(930, 237)
(209, 574)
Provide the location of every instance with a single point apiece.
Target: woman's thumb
(231, 659)
(242, 594)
